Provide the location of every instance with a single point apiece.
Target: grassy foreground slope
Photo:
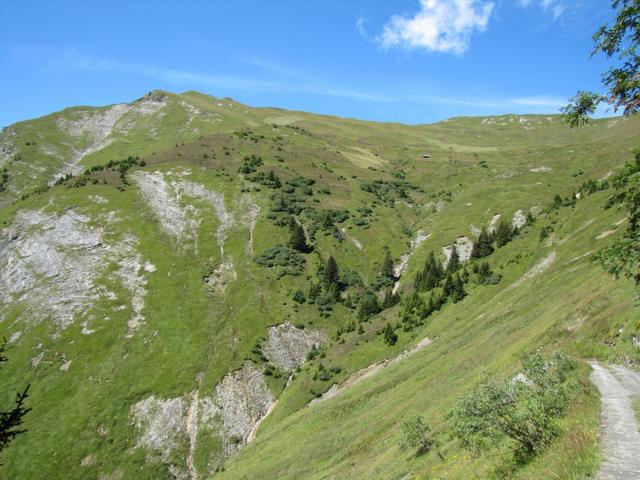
(151, 326)
(356, 434)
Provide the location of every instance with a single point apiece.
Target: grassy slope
(353, 435)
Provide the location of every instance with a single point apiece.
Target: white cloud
(440, 26)
(555, 7)
(360, 27)
(52, 59)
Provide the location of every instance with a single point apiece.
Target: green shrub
(292, 262)
(415, 435)
(522, 409)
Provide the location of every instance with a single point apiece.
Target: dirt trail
(192, 432)
(370, 371)
(620, 432)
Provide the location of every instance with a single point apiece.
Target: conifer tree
(390, 299)
(368, 307)
(448, 286)
(387, 266)
(458, 292)
(331, 273)
(12, 419)
(430, 275)
(333, 292)
(484, 272)
(454, 260)
(314, 291)
(504, 233)
(483, 247)
(390, 337)
(431, 305)
(298, 240)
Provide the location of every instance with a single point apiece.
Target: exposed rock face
(519, 220)
(133, 279)
(182, 222)
(464, 247)
(287, 346)
(161, 424)
(7, 145)
(493, 224)
(173, 219)
(51, 264)
(93, 129)
(240, 401)
(220, 277)
(400, 268)
(216, 200)
(243, 399)
(249, 218)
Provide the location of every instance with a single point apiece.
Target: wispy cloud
(283, 79)
(444, 26)
(360, 21)
(555, 7)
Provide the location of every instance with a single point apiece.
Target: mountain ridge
(155, 299)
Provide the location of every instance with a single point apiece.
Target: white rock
(287, 346)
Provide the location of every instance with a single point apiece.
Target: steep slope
(164, 323)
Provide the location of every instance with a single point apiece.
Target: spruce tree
(387, 266)
(430, 275)
(448, 286)
(484, 272)
(454, 260)
(331, 273)
(483, 247)
(11, 420)
(390, 299)
(458, 289)
(333, 292)
(504, 233)
(314, 291)
(298, 240)
(431, 305)
(368, 307)
(390, 337)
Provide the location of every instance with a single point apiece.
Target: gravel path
(620, 429)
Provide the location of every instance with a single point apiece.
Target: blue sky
(413, 61)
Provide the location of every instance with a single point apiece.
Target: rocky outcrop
(519, 220)
(464, 247)
(161, 424)
(51, 264)
(353, 240)
(166, 200)
(216, 200)
(231, 414)
(221, 275)
(287, 346)
(401, 266)
(93, 130)
(493, 223)
(175, 220)
(249, 217)
(242, 398)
